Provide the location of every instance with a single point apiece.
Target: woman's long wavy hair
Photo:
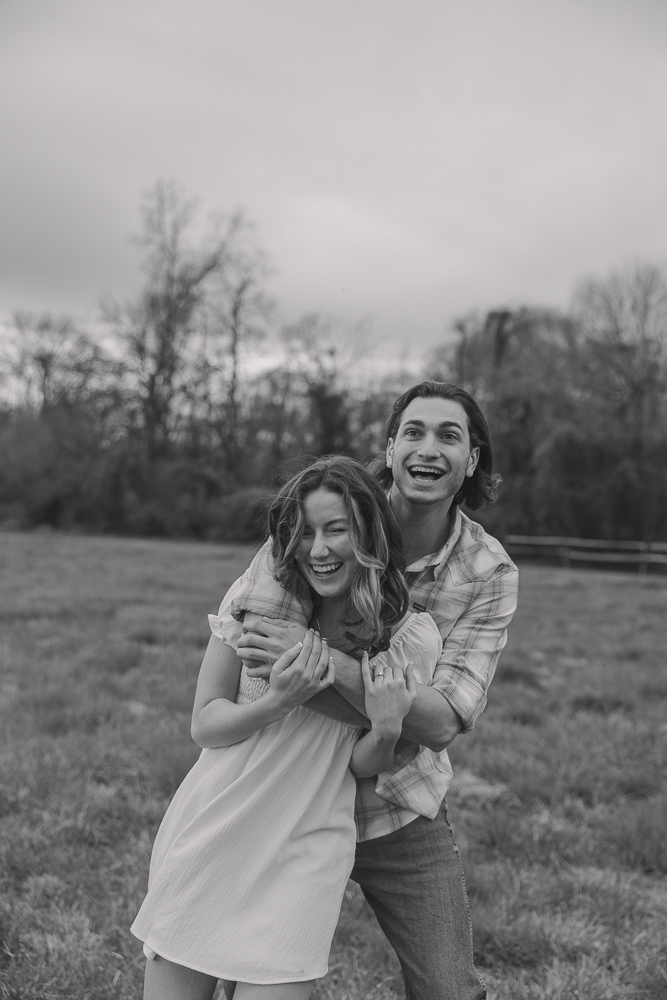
(378, 597)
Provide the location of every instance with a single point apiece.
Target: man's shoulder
(262, 563)
(477, 555)
(259, 591)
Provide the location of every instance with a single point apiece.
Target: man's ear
(390, 452)
(472, 461)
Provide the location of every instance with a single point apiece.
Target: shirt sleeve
(223, 625)
(471, 649)
(259, 592)
(418, 642)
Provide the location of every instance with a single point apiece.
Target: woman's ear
(389, 457)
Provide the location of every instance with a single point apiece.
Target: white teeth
(417, 469)
(326, 570)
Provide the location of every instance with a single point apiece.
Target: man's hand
(264, 640)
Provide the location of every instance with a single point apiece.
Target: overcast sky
(405, 161)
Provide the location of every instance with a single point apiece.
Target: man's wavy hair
(378, 597)
(478, 490)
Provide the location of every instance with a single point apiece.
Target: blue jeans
(413, 880)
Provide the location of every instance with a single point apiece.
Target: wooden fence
(641, 556)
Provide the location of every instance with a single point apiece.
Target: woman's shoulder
(416, 623)
(416, 637)
(402, 621)
(416, 641)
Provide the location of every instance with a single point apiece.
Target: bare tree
(238, 313)
(623, 322)
(320, 357)
(157, 328)
(518, 363)
(47, 359)
(304, 403)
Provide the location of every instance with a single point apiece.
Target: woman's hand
(301, 672)
(389, 696)
(263, 640)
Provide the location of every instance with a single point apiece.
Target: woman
(251, 861)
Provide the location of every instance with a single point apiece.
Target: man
(438, 455)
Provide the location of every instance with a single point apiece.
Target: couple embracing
(360, 641)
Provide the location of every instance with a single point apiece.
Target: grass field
(559, 801)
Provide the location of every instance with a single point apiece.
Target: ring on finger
(379, 673)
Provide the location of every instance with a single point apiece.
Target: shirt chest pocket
(444, 602)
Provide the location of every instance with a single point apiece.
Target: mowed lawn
(559, 801)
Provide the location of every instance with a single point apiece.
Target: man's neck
(425, 527)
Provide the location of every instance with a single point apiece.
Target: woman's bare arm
(218, 721)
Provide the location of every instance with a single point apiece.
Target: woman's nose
(319, 548)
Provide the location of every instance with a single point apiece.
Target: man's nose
(428, 445)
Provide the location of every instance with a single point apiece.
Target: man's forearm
(332, 704)
(431, 722)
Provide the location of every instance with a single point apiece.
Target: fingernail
(299, 645)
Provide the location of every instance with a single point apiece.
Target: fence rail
(580, 551)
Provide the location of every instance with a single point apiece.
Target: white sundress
(251, 860)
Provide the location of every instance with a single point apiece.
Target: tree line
(177, 413)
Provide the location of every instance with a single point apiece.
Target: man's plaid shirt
(469, 588)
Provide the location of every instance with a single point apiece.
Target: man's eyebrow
(443, 423)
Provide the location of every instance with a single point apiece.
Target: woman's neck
(332, 605)
(329, 616)
(330, 609)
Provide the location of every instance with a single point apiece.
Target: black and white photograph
(333, 500)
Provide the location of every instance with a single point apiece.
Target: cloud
(404, 162)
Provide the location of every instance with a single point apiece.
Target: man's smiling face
(430, 456)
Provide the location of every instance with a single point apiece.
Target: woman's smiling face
(326, 555)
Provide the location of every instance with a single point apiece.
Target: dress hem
(231, 976)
